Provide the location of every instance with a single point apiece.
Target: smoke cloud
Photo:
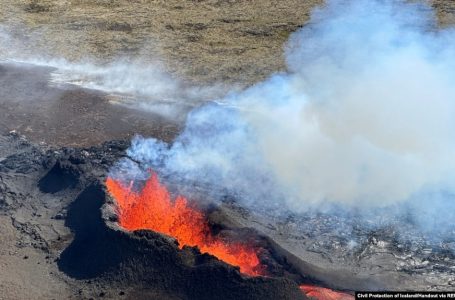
(136, 82)
(362, 118)
(139, 85)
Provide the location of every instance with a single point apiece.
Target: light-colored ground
(202, 41)
(216, 40)
(25, 273)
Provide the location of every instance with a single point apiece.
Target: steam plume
(134, 81)
(362, 118)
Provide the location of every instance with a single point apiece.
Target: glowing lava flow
(153, 209)
(324, 294)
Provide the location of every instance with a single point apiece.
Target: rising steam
(364, 117)
(135, 82)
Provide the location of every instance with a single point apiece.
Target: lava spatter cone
(152, 208)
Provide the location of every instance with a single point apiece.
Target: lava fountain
(152, 208)
(321, 293)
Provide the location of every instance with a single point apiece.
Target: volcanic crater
(74, 231)
(101, 248)
(97, 256)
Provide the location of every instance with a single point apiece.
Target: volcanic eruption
(152, 208)
(332, 175)
(335, 131)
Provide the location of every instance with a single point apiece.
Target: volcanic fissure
(152, 208)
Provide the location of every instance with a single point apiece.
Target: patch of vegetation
(35, 7)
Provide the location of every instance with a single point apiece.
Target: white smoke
(133, 83)
(137, 82)
(364, 117)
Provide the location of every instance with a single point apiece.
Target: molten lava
(153, 209)
(321, 293)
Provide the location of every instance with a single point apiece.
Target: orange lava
(152, 208)
(321, 293)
